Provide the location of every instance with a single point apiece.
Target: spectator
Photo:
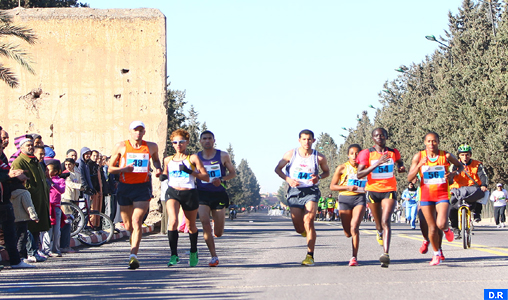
(72, 189)
(39, 192)
(499, 197)
(51, 240)
(95, 176)
(84, 173)
(410, 198)
(71, 153)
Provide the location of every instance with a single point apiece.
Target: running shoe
(308, 261)
(425, 247)
(133, 263)
(304, 234)
(214, 262)
(173, 260)
(30, 259)
(22, 265)
(435, 260)
(441, 255)
(385, 260)
(449, 235)
(193, 259)
(379, 238)
(353, 262)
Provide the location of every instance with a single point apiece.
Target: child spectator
(72, 188)
(24, 211)
(51, 242)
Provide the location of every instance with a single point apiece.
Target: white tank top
(180, 179)
(302, 168)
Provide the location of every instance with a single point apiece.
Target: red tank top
(140, 159)
(433, 181)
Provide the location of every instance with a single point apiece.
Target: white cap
(499, 184)
(135, 124)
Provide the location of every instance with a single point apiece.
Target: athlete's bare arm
(362, 172)
(334, 185)
(400, 165)
(166, 162)
(416, 164)
(154, 153)
(226, 160)
(282, 163)
(323, 163)
(460, 167)
(201, 173)
(114, 162)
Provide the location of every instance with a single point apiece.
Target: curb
(75, 242)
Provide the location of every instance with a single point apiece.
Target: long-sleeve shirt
(72, 187)
(499, 197)
(56, 190)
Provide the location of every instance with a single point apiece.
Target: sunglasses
(179, 142)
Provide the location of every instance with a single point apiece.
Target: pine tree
(174, 104)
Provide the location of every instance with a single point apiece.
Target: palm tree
(14, 51)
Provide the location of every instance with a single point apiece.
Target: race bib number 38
(384, 171)
(433, 174)
(139, 161)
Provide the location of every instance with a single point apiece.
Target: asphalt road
(260, 258)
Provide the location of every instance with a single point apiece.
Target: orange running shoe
(425, 247)
(449, 235)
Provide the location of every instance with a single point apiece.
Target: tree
(9, 4)
(193, 126)
(13, 51)
(326, 146)
(174, 104)
(281, 192)
(234, 186)
(250, 187)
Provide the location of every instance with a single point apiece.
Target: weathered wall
(96, 71)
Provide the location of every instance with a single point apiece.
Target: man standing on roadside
(131, 160)
(212, 194)
(302, 174)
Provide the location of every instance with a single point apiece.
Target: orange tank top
(381, 179)
(140, 159)
(433, 181)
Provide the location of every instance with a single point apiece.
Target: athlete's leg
(126, 214)
(204, 216)
(297, 218)
(429, 212)
(218, 221)
(308, 220)
(375, 209)
(138, 213)
(345, 218)
(190, 219)
(173, 208)
(356, 220)
(388, 206)
(424, 228)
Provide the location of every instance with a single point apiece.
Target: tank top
(180, 179)
(381, 179)
(140, 158)
(215, 169)
(349, 178)
(433, 182)
(302, 168)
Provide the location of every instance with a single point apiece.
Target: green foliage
(193, 126)
(460, 92)
(234, 186)
(249, 186)
(9, 4)
(327, 146)
(281, 192)
(174, 104)
(11, 51)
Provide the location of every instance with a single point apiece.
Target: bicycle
(465, 224)
(83, 228)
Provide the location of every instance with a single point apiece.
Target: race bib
(384, 171)
(360, 183)
(433, 174)
(139, 160)
(213, 172)
(178, 176)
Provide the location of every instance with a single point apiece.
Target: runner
(432, 166)
(131, 159)
(180, 169)
(302, 174)
(321, 207)
(377, 163)
(330, 205)
(351, 198)
(212, 194)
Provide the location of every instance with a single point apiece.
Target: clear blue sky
(260, 71)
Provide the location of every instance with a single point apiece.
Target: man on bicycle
(475, 170)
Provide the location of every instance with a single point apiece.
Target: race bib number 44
(139, 161)
(433, 174)
(384, 171)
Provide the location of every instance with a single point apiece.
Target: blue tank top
(215, 169)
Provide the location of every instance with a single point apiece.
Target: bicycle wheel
(75, 215)
(470, 233)
(99, 234)
(464, 230)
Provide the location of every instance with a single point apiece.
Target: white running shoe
(22, 265)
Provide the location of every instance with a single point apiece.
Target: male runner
(131, 159)
(302, 174)
(212, 194)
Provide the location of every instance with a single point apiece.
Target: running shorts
(215, 200)
(348, 202)
(128, 193)
(188, 199)
(375, 197)
(429, 203)
(298, 197)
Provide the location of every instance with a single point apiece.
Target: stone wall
(96, 71)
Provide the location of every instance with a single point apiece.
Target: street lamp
(433, 39)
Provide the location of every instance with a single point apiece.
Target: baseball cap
(499, 184)
(135, 124)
